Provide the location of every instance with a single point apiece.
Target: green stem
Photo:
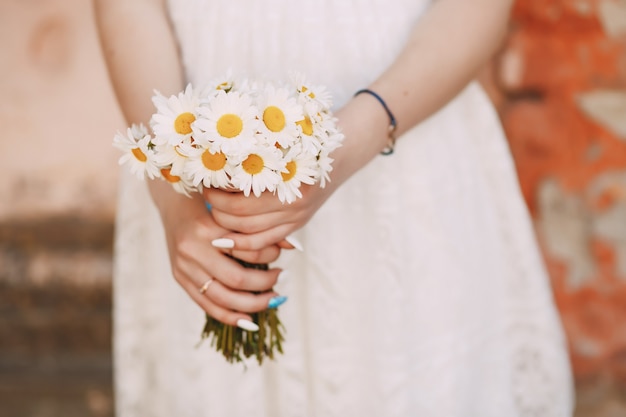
(235, 344)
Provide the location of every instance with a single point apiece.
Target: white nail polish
(223, 243)
(247, 325)
(282, 277)
(295, 243)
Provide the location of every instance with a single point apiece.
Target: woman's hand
(216, 282)
(261, 222)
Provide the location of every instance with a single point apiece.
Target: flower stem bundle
(236, 344)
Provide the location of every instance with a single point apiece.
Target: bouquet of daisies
(241, 134)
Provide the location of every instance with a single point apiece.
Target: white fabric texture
(420, 291)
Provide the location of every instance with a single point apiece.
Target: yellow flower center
(291, 168)
(166, 172)
(274, 119)
(306, 125)
(229, 125)
(311, 94)
(213, 161)
(253, 164)
(182, 124)
(139, 155)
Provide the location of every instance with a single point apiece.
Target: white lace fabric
(420, 292)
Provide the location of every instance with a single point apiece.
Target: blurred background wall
(58, 176)
(559, 84)
(560, 87)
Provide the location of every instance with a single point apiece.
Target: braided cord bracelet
(388, 150)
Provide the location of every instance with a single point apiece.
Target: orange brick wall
(560, 87)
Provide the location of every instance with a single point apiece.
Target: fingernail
(208, 206)
(277, 301)
(282, 277)
(247, 325)
(223, 243)
(295, 243)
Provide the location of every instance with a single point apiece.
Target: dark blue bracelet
(388, 150)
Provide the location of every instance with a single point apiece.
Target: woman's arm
(444, 52)
(140, 51)
(141, 55)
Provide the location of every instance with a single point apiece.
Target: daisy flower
(332, 140)
(301, 168)
(259, 170)
(179, 183)
(279, 114)
(172, 122)
(211, 169)
(224, 83)
(138, 153)
(309, 133)
(310, 93)
(228, 123)
(324, 162)
(166, 155)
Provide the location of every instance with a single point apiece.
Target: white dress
(421, 291)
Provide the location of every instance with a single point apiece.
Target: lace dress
(420, 292)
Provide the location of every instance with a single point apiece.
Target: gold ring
(206, 285)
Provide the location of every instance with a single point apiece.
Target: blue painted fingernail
(208, 206)
(277, 301)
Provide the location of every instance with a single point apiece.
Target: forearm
(445, 51)
(141, 56)
(140, 53)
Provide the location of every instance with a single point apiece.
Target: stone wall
(559, 84)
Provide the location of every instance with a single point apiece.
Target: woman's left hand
(259, 222)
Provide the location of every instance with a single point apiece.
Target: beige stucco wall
(57, 112)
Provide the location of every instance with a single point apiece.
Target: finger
(266, 254)
(212, 262)
(213, 309)
(263, 256)
(224, 304)
(266, 238)
(241, 301)
(196, 283)
(253, 223)
(290, 242)
(201, 263)
(238, 277)
(240, 205)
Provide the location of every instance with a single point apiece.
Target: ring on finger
(206, 285)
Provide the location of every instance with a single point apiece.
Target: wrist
(165, 198)
(365, 125)
(391, 129)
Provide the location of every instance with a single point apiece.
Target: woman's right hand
(188, 225)
(233, 290)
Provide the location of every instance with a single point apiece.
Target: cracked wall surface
(560, 87)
